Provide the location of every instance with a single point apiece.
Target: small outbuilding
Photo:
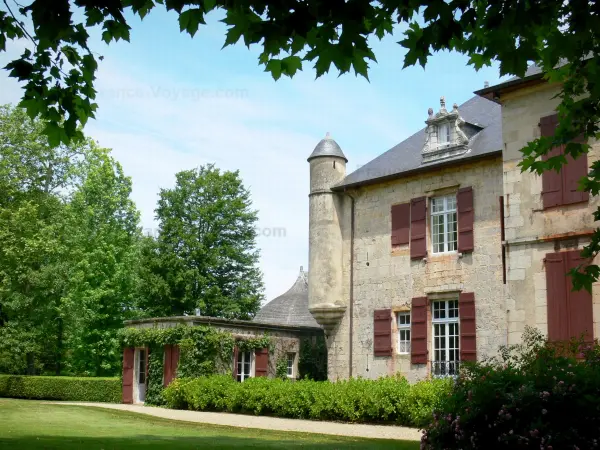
(157, 350)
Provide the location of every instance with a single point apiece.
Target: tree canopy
(205, 255)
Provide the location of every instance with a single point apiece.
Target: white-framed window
(443, 132)
(244, 366)
(403, 322)
(446, 351)
(291, 358)
(444, 233)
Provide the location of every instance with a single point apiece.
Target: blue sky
(168, 102)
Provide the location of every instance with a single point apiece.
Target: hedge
(386, 400)
(61, 388)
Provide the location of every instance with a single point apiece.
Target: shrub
(386, 400)
(61, 388)
(533, 396)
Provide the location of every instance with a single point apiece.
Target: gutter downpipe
(351, 292)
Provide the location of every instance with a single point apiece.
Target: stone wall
(389, 279)
(531, 231)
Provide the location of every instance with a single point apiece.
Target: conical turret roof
(327, 147)
(290, 308)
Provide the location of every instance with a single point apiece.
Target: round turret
(325, 247)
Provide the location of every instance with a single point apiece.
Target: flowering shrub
(533, 396)
(386, 400)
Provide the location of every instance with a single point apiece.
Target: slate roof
(290, 308)
(327, 147)
(405, 158)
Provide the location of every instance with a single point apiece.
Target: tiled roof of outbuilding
(290, 308)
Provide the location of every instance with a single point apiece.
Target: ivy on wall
(154, 393)
(203, 351)
(312, 362)
(281, 368)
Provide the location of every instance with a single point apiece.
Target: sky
(168, 103)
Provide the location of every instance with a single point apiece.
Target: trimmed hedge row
(61, 388)
(386, 400)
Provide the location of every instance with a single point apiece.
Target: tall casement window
(244, 365)
(403, 322)
(142, 366)
(444, 235)
(446, 352)
(291, 357)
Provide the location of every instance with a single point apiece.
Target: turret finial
(442, 102)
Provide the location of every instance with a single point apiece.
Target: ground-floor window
(244, 365)
(290, 364)
(403, 322)
(446, 352)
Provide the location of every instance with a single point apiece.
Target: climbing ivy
(312, 361)
(281, 368)
(154, 392)
(256, 343)
(203, 350)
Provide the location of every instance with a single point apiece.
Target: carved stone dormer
(444, 136)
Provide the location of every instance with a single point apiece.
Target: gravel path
(266, 423)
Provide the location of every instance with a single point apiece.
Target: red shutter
(468, 330)
(382, 332)
(556, 297)
(170, 364)
(400, 224)
(128, 358)
(418, 332)
(580, 304)
(418, 214)
(175, 360)
(167, 370)
(552, 181)
(573, 171)
(466, 219)
(261, 362)
(235, 362)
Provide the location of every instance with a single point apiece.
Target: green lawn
(33, 425)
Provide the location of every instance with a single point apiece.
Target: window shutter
(400, 224)
(128, 357)
(466, 218)
(382, 332)
(418, 332)
(175, 360)
(418, 214)
(167, 370)
(580, 304)
(261, 362)
(573, 171)
(556, 297)
(235, 362)
(468, 329)
(552, 181)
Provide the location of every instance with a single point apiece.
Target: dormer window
(444, 135)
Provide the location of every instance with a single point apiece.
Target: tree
(103, 250)
(68, 243)
(204, 257)
(59, 65)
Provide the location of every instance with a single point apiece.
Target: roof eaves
(429, 168)
(493, 92)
